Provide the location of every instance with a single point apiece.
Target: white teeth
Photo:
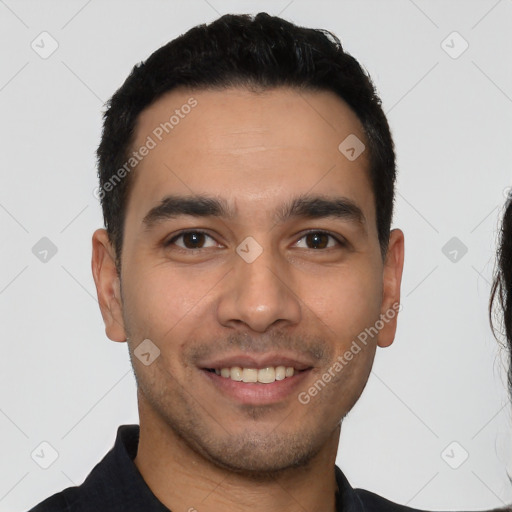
(263, 375)
(236, 373)
(280, 373)
(267, 375)
(250, 375)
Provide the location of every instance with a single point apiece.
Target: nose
(259, 295)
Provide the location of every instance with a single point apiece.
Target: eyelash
(171, 241)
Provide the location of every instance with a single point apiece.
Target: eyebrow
(304, 206)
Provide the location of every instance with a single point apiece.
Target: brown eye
(190, 240)
(193, 240)
(320, 240)
(317, 240)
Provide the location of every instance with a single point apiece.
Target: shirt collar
(116, 482)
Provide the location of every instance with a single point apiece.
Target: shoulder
(374, 503)
(361, 500)
(63, 501)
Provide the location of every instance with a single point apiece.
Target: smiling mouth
(266, 375)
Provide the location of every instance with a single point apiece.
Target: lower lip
(256, 393)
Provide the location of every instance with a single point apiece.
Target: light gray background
(62, 381)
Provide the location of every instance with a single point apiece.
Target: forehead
(255, 147)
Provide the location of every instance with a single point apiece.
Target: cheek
(346, 301)
(163, 303)
(153, 301)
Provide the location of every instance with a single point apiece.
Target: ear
(392, 279)
(108, 286)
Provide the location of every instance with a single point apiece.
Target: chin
(260, 455)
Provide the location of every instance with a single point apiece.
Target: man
(247, 182)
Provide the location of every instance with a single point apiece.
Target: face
(250, 254)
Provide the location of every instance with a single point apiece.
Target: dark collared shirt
(115, 485)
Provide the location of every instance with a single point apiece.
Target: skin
(200, 447)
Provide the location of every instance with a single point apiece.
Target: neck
(184, 480)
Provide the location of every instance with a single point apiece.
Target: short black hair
(502, 284)
(262, 52)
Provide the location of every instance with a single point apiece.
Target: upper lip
(257, 361)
